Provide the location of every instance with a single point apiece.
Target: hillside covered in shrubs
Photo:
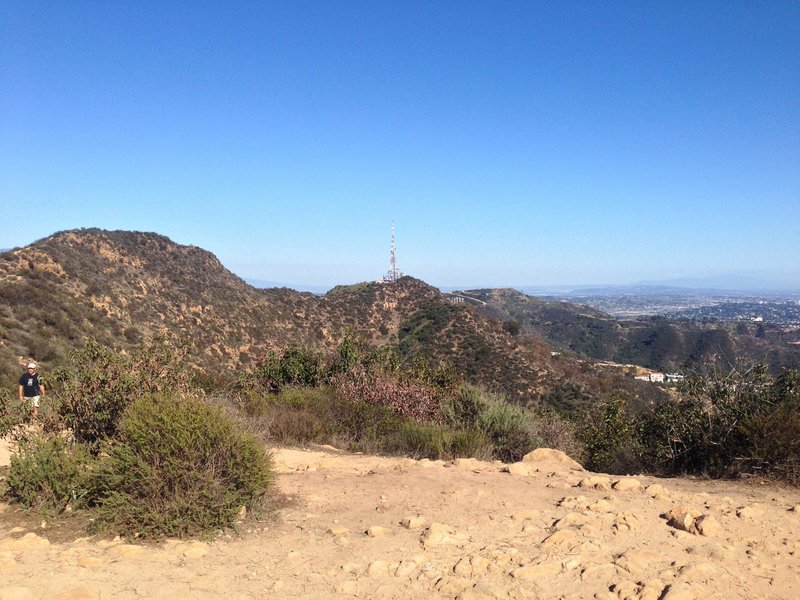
(121, 288)
(655, 342)
(720, 424)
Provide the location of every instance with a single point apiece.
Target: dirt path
(368, 527)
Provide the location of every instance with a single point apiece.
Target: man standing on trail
(30, 389)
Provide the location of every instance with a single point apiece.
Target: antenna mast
(393, 259)
(394, 273)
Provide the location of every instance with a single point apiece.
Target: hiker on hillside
(31, 389)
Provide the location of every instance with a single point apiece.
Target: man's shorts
(34, 400)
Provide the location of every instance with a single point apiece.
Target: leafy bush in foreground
(49, 473)
(139, 452)
(179, 467)
(611, 440)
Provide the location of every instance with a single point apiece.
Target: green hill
(654, 342)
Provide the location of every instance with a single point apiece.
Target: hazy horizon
(728, 282)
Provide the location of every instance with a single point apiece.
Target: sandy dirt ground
(361, 526)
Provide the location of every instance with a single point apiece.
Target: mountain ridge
(124, 287)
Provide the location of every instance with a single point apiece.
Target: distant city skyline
(513, 144)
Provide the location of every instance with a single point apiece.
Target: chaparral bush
(50, 473)
(611, 440)
(179, 467)
(426, 440)
(293, 415)
(403, 397)
(12, 412)
(511, 429)
(294, 366)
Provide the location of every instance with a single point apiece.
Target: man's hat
(31, 365)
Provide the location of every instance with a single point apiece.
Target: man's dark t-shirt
(30, 384)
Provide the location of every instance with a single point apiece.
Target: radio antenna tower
(394, 273)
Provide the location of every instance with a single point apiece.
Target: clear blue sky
(512, 143)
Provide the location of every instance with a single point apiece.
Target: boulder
(547, 457)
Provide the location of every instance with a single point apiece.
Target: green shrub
(510, 428)
(318, 400)
(465, 408)
(179, 467)
(48, 473)
(611, 440)
(428, 440)
(469, 443)
(722, 425)
(12, 412)
(259, 403)
(376, 430)
(774, 433)
(293, 416)
(775, 441)
(346, 356)
(296, 426)
(295, 366)
(361, 424)
(714, 428)
(404, 437)
(675, 437)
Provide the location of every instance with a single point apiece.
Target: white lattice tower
(393, 259)
(394, 273)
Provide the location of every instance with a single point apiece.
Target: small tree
(346, 356)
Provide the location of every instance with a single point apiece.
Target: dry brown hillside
(123, 287)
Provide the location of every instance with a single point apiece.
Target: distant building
(654, 377)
